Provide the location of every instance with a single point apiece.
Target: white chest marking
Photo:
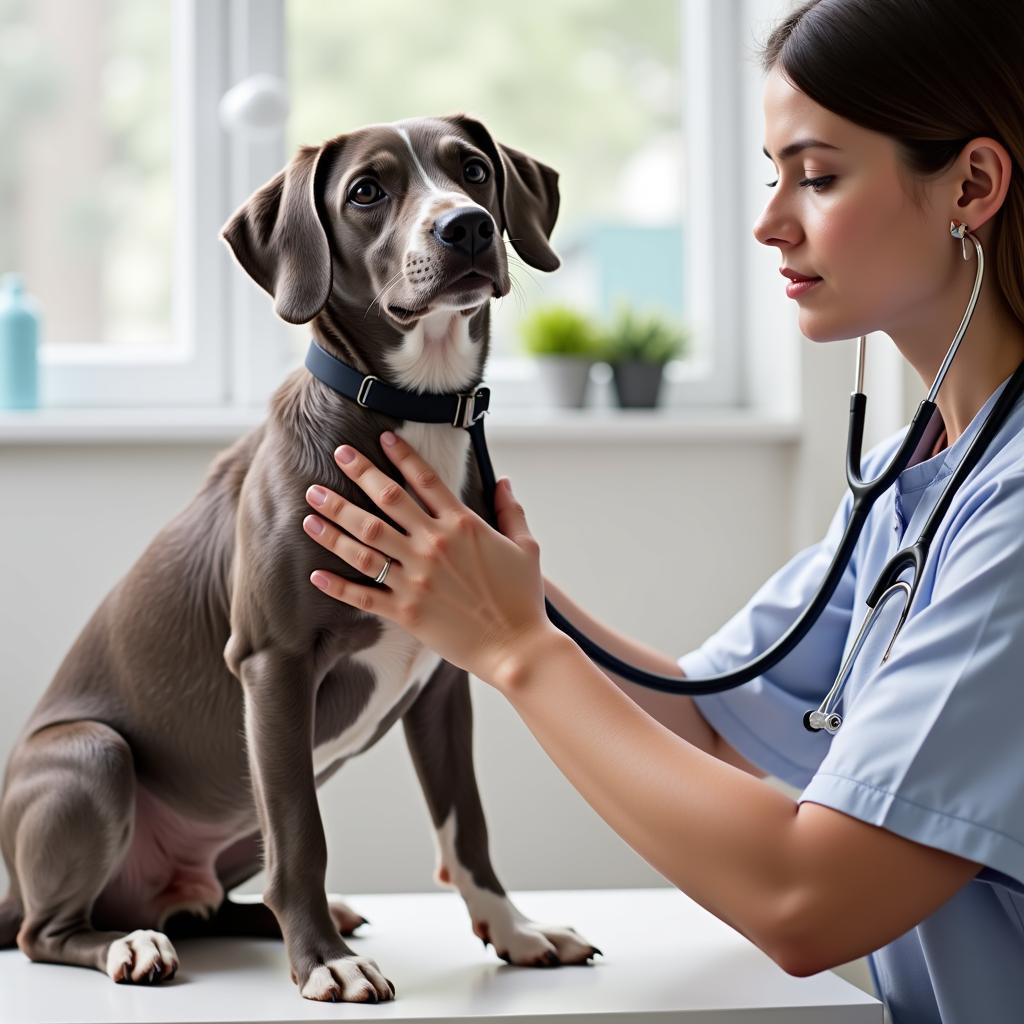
(398, 660)
(436, 355)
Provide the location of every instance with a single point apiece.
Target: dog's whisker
(387, 285)
(517, 281)
(517, 293)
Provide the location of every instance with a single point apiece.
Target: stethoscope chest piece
(815, 721)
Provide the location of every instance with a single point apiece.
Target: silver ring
(382, 575)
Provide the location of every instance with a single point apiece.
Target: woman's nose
(774, 227)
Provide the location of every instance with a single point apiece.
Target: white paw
(528, 944)
(346, 920)
(349, 979)
(142, 956)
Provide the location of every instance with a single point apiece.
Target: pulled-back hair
(931, 75)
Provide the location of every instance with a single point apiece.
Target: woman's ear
(279, 237)
(527, 192)
(984, 182)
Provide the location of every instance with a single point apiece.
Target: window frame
(102, 375)
(241, 351)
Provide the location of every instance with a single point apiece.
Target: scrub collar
(919, 475)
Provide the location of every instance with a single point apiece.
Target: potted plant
(637, 346)
(565, 343)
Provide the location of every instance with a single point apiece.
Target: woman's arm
(781, 873)
(677, 712)
(724, 838)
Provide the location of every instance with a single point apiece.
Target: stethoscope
(865, 493)
(467, 411)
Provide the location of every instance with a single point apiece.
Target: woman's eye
(816, 184)
(365, 192)
(475, 172)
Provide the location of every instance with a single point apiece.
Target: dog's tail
(10, 921)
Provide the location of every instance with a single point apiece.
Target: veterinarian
(896, 130)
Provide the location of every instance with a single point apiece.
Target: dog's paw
(346, 920)
(347, 979)
(142, 957)
(529, 944)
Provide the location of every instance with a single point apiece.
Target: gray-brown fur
(208, 674)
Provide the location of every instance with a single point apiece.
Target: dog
(178, 748)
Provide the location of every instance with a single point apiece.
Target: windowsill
(223, 425)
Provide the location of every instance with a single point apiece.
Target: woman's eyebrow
(797, 147)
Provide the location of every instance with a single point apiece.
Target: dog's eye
(365, 192)
(475, 172)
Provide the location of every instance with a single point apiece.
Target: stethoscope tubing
(864, 495)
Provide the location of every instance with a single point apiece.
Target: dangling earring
(958, 229)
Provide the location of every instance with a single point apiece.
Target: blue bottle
(19, 345)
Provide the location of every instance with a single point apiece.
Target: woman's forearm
(675, 711)
(722, 837)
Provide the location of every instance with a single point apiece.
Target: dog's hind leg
(439, 733)
(236, 865)
(66, 822)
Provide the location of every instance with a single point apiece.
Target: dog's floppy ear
(527, 192)
(279, 237)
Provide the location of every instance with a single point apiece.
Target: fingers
(387, 494)
(511, 515)
(420, 474)
(366, 599)
(362, 525)
(369, 561)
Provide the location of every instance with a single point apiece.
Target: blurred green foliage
(644, 336)
(558, 330)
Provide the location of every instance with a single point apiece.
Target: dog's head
(405, 217)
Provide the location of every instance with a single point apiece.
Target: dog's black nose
(466, 228)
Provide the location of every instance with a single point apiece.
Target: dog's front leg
(439, 732)
(280, 699)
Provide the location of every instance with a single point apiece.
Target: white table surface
(665, 958)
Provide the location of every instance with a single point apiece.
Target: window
(592, 89)
(87, 167)
(118, 171)
(98, 197)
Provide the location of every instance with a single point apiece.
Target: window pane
(591, 87)
(86, 207)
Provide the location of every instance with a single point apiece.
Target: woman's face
(881, 259)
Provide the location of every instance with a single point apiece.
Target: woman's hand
(473, 595)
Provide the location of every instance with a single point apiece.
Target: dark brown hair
(931, 75)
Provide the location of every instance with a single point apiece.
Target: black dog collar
(460, 410)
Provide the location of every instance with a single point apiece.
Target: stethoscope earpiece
(958, 230)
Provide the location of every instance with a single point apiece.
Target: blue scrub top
(932, 742)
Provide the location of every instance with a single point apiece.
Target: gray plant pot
(638, 385)
(564, 379)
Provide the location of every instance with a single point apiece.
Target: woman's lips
(797, 288)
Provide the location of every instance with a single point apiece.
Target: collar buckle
(364, 389)
(465, 409)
